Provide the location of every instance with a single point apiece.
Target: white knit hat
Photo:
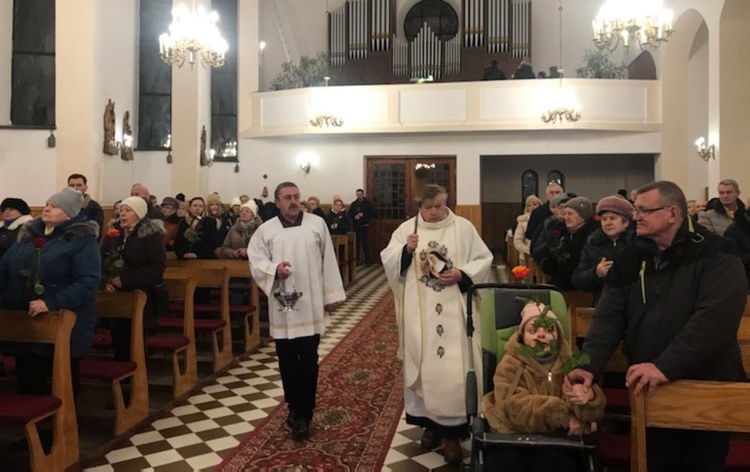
(137, 204)
(251, 205)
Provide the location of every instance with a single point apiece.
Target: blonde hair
(531, 199)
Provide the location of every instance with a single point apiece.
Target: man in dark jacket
(91, 208)
(361, 212)
(541, 213)
(675, 299)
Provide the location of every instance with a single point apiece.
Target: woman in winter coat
(616, 216)
(523, 245)
(559, 247)
(169, 207)
(15, 213)
(528, 396)
(137, 242)
(235, 244)
(337, 218)
(197, 235)
(55, 264)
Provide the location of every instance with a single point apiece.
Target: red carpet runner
(359, 401)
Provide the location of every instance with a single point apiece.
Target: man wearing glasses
(675, 298)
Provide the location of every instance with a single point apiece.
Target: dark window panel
(155, 76)
(34, 26)
(223, 132)
(154, 121)
(224, 84)
(33, 90)
(223, 94)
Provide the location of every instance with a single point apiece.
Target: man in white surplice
(430, 262)
(295, 249)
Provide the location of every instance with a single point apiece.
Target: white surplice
(315, 273)
(432, 317)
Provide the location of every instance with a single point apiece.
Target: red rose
(520, 273)
(39, 242)
(113, 233)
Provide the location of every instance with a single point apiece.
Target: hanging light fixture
(642, 21)
(326, 118)
(193, 35)
(564, 106)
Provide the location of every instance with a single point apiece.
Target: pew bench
(116, 305)
(238, 269)
(29, 410)
(220, 328)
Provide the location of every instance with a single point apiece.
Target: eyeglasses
(646, 211)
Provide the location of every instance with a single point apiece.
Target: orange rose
(520, 273)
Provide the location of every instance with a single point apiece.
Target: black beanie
(17, 204)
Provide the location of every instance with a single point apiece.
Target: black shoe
(300, 429)
(290, 419)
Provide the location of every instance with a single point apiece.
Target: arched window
(224, 88)
(439, 16)
(556, 177)
(529, 185)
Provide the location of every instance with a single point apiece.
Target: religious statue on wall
(110, 145)
(203, 157)
(126, 153)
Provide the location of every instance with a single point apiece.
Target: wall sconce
(51, 141)
(261, 49)
(305, 166)
(705, 151)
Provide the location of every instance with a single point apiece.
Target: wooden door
(395, 183)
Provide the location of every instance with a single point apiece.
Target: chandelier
(193, 35)
(564, 106)
(326, 118)
(643, 21)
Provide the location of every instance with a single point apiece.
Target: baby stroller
(500, 314)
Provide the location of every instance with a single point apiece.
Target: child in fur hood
(528, 398)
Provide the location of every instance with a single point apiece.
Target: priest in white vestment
(295, 249)
(431, 261)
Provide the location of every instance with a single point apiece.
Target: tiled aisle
(197, 434)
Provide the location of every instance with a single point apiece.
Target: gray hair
(432, 191)
(731, 182)
(280, 186)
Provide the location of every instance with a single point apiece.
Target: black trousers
(362, 242)
(34, 374)
(298, 364)
(673, 450)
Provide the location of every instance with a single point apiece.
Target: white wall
(697, 75)
(27, 166)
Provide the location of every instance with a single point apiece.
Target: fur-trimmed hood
(71, 230)
(17, 223)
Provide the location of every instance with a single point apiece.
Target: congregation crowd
(665, 275)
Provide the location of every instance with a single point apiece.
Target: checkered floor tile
(200, 432)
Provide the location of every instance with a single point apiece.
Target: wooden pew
(123, 305)
(186, 376)
(345, 247)
(51, 328)
(690, 404)
(237, 268)
(221, 328)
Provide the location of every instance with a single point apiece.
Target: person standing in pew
(294, 251)
(54, 264)
(137, 242)
(197, 235)
(675, 299)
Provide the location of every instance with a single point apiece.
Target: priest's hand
(450, 276)
(412, 241)
(284, 269)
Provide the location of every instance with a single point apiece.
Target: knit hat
(16, 204)
(251, 205)
(236, 201)
(582, 206)
(138, 205)
(562, 198)
(336, 198)
(532, 311)
(170, 202)
(68, 200)
(213, 198)
(615, 204)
